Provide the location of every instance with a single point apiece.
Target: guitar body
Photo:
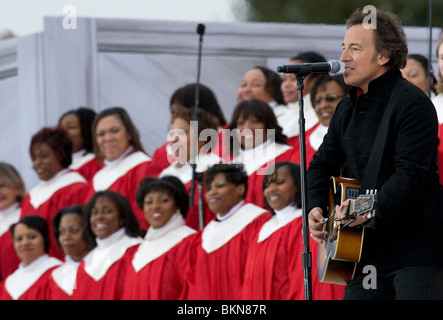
(338, 256)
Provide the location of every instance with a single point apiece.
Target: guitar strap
(369, 182)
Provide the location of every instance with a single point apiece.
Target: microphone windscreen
(335, 66)
(200, 28)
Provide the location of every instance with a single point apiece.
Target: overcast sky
(24, 17)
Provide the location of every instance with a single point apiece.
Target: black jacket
(408, 215)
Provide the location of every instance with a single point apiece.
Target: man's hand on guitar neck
(316, 225)
(340, 214)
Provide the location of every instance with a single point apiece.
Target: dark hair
(390, 38)
(75, 209)
(173, 186)
(234, 173)
(273, 83)
(131, 224)
(120, 113)
(36, 223)
(424, 63)
(185, 97)
(321, 82)
(85, 118)
(262, 112)
(57, 139)
(309, 57)
(271, 175)
(205, 120)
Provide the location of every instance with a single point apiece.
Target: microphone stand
(196, 176)
(306, 255)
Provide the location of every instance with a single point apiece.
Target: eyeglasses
(329, 98)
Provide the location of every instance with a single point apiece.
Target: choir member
(112, 230)
(117, 140)
(59, 187)
(68, 228)
(258, 142)
(326, 93)
(156, 271)
(190, 145)
(12, 191)
(218, 252)
(78, 124)
(265, 84)
(31, 243)
(184, 98)
(274, 263)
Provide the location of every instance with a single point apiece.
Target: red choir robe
(218, 254)
(184, 173)
(156, 271)
(438, 103)
(101, 274)
(62, 280)
(274, 264)
(290, 123)
(257, 161)
(8, 259)
(86, 164)
(314, 138)
(65, 189)
(123, 176)
(163, 156)
(30, 282)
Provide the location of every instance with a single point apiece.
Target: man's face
(361, 61)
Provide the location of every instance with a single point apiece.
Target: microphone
(332, 66)
(201, 29)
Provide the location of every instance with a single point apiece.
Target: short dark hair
(273, 83)
(131, 225)
(36, 223)
(74, 209)
(271, 175)
(57, 139)
(390, 38)
(234, 173)
(173, 186)
(185, 97)
(262, 112)
(85, 118)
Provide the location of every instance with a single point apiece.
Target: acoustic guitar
(339, 255)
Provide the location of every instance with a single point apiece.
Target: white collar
(65, 275)
(216, 234)
(9, 216)
(161, 240)
(316, 137)
(175, 221)
(233, 210)
(25, 276)
(115, 161)
(108, 251)
(279, 220)
(110, 240)
(45, 189)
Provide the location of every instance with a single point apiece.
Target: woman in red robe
(218, 252)
(258, 144)
(31, 243)
(78, 124)
(125, 162)
(274, 263)
(156, 270)
(59, 186)
(68, 228)
(113, 231)
(12, 191)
